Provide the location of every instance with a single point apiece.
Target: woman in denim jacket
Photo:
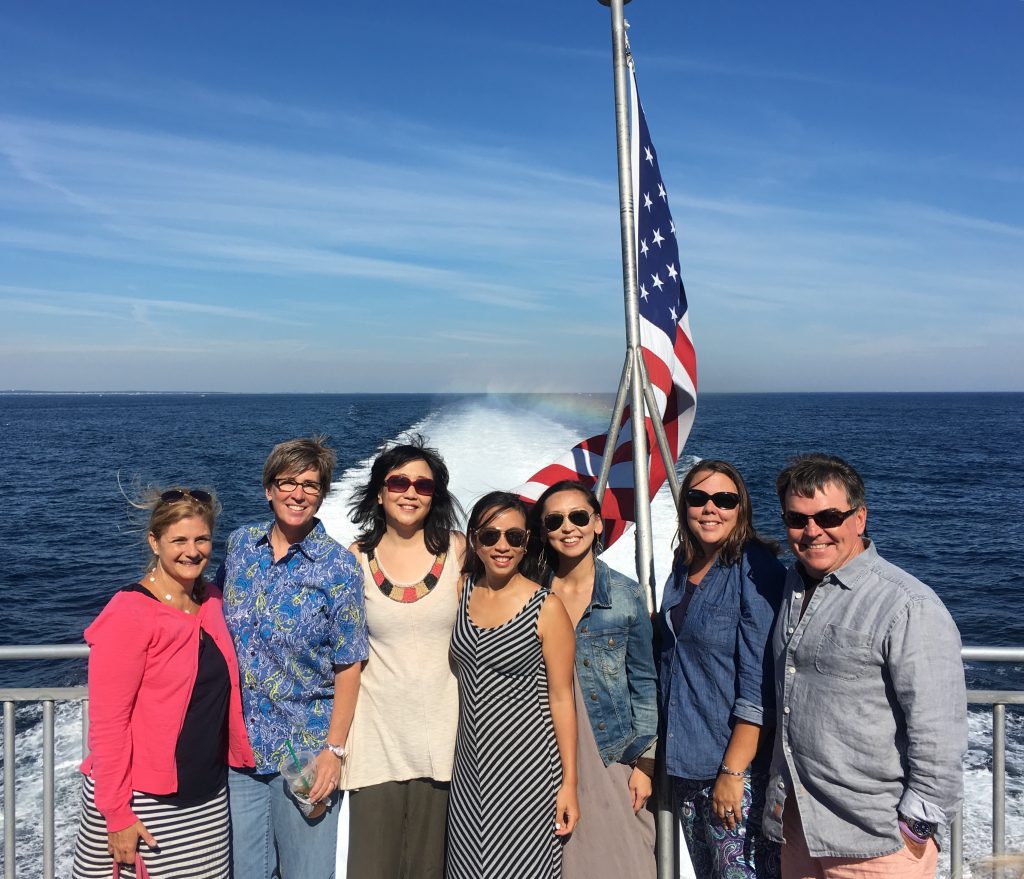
(616, 686)
(715, 691)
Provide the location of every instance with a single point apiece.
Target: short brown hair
(808, 474)
(298, 455)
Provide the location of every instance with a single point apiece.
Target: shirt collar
(313, 546)
(854, 572)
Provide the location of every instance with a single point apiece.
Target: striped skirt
(194, 841)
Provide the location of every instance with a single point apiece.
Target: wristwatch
(921, 830)
(337, 750)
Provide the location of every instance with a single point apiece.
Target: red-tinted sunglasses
(423, 486)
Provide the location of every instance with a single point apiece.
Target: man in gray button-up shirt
(871, 701)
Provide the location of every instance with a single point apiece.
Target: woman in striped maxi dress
(513, 794)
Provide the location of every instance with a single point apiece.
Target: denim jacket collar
(600, 597)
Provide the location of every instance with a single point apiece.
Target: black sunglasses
(423, 486)
(515, 537)
(179, 494)
(579, 518)
(830, 518)
(724, 500)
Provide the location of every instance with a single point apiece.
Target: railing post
(998, 779)
(956, 846)
(49, 864)
(10, 865)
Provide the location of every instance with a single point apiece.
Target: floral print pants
(717, 852)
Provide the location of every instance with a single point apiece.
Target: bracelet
(725, 770)
(337, 750)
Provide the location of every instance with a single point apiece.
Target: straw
(295, 759)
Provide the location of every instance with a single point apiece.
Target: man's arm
(923, 659)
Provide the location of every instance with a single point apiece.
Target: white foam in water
(487, 445)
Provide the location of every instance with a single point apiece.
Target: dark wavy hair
(689, 547)
(540, 557)
(485, 511)
(445, 511)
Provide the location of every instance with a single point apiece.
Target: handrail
(48, 696)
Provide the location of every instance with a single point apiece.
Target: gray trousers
(397, 830)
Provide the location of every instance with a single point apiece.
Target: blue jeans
(271, 838)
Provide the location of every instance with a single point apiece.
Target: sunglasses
(515, 537)
(179, 494)
(423, 486)
(724, 500)
(830, 518)
(579, 518)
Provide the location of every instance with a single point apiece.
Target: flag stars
(661, 192)
(672, 273)
(643, 292)
(647, 201)
(658, 237)
(648, 154)
(672, 228)
(675, 317)
(657, 282)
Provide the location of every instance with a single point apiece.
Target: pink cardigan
(142, 667)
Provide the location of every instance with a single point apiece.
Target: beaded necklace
(406, 594)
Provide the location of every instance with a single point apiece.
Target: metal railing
(49, 696)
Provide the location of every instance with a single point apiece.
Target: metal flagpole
(635, 374)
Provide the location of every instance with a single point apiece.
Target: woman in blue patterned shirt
(293, 601)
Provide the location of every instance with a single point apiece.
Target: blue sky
(423, 197)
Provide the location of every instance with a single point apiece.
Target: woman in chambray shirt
(717, 614)
(616, 690)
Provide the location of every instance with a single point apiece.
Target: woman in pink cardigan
(165, 712)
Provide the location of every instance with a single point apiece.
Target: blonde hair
(165, 513)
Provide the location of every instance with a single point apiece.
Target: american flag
(666, 345)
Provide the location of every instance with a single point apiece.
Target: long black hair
(485, 511)
(444, 513)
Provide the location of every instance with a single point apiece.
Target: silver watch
(337, 750)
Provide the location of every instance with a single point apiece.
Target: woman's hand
(640, 788)
(328, 774)
(727, 799)
(124, 844)
(567, 810)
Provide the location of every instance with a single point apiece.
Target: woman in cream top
(402, 741)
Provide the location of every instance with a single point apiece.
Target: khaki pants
(797, 863)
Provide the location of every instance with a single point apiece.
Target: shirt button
(584, 629)
(611, 642)
(785, 710)
(798, 595)
(586, 663)
(593, 697)
(601, 725)
(790, 630)
(791, 670)
(782, 785)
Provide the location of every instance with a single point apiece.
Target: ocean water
(945, 494)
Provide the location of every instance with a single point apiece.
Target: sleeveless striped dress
(501, 818)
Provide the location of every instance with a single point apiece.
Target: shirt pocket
(716, 626)
(843, 653)
(610, 652)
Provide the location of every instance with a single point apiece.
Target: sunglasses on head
(423, 485)
(515, 537)
(179, 494)
(830, 518)
(579, 518)
(724, 500)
